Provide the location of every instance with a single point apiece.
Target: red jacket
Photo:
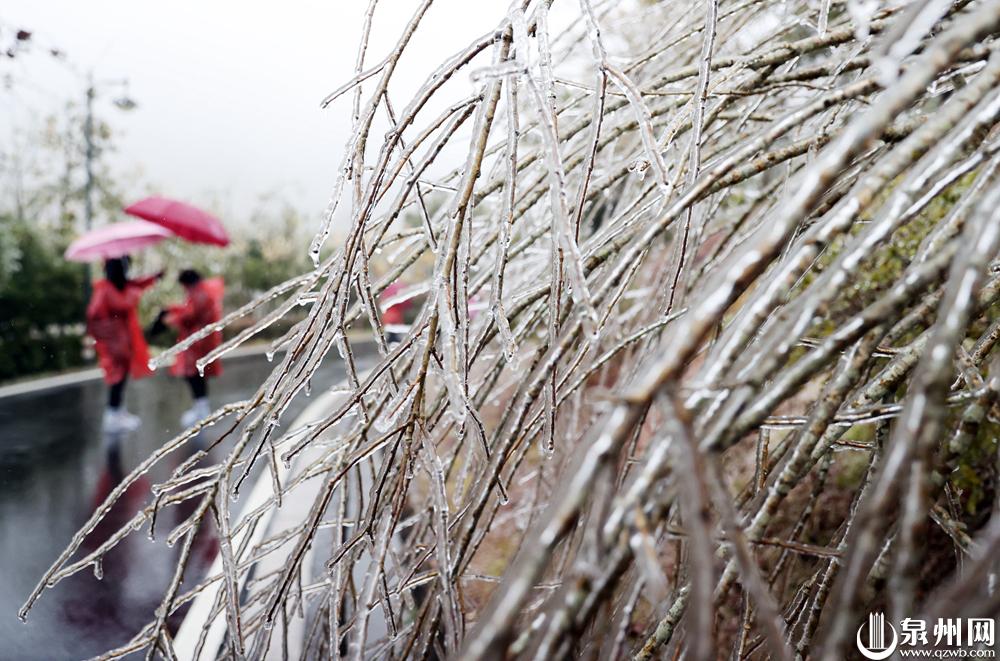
(113, 322)
(393, 315)
(202, 307)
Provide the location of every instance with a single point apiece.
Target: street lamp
(123, 102)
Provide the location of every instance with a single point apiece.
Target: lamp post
(124, 103)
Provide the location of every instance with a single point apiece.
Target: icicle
(308, 299)
(643, 550)
(324, 231)
(861, 12)
(639, 167)
(905, 38)
(338, 341)
(396, 406)
(451, 371)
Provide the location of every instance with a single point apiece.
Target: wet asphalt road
(54, 471)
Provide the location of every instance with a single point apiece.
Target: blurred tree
(42, 174)
(41, 302)
(42, 296)
(270, 253)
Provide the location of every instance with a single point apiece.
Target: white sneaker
(120, 421)
(189, 417)
(129, 421)
(202, 407)
(196, 413)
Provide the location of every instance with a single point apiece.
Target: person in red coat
(113, 322)
(393, 315)
(203, 306)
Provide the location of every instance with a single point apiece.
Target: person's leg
(117, 393)
(201, 408)
(116, 418)
(199, 387)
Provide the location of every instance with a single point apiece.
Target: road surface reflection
(55, 469)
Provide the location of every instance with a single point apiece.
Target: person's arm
(147, 282)
(159, 325)
(183, 315)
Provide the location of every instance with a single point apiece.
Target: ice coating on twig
(678, 274)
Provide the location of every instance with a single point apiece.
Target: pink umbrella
(184, 220)
(115, 240)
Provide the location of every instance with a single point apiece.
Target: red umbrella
(115, 240)
(184, 220)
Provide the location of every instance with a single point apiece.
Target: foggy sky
(228, 91)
